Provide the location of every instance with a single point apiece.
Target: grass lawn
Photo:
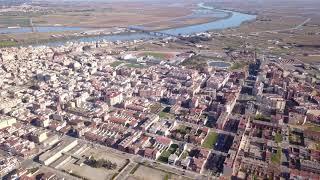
(7, 43)
(164, 115)
(210, 140)
(278, 138)
(276, 158)
(261, 117)
(159, 55)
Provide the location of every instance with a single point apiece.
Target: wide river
(234, 20)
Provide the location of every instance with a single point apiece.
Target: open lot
(95, 173)
(143, 172)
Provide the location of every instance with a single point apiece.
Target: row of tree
(101, 163)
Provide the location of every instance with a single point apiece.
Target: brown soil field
(104, 14)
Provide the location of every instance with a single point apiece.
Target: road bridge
(153, 33)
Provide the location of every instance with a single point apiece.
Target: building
(218, 80)
(113, 98)
(6, 121)
(38, 136)
(310, 166)
(222, 120)
(173, 158)
(272, 101)
(310, 133)
(53, 154)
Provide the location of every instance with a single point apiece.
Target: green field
(278, 138)
(210, 140)
(126, 64)
(7, 43)
(164, 115)
(276, 158)
(158, 55)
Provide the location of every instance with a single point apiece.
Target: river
(234, 20)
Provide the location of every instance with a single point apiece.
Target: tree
(101, 163)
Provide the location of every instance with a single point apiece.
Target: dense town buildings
(261, 121)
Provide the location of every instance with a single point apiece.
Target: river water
(235, 20)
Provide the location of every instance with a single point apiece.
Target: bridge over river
(152, 33)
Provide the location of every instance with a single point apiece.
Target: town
(82, 110)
